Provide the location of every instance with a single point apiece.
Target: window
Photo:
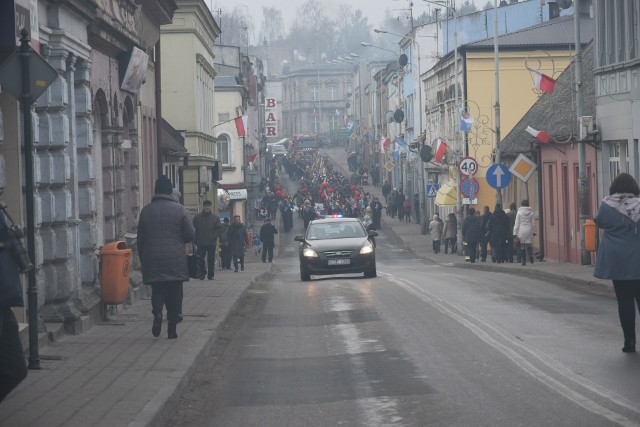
(315, 121)
(333, 89)
(409, 111)
(315, 93)
(617, 31)
(223, 150)
(333, 122)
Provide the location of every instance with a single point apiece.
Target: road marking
(474, 324)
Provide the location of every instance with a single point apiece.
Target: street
(421, 344)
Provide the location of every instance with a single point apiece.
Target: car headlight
(366, 250)
(309, 253)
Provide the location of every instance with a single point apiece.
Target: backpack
(406, 204)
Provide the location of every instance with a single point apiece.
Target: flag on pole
(400, 143)
(384, 142)
(441, 149)
(251, 158)
(540, 134)
(465, 121)
(542, 81)
(241, 125)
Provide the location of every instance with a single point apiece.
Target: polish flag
(241, 125)
(384, 142)
(542, 81)
(441, 149)
(540, 134)
(251, 158)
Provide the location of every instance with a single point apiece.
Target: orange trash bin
(250, 240)
(116, 268)
(590, 231)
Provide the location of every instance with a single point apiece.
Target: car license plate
(339, 261)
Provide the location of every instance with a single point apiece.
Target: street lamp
(421, 190)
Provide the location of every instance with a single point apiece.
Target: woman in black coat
(499, 234)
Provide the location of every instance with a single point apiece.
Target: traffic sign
(388, 166)
(523, 168)
(468, 166)
(498, 176)
(468, 185)
(432, 190)
(41, 75)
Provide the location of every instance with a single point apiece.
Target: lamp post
(455, 123)
(421, 190)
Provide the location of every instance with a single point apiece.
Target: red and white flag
(540, 134)
(441, 149)
(241, 125)
(251, 158)
(384, 142)
(542, 81)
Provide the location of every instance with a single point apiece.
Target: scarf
(625, 203)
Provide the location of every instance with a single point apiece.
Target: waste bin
(250, 240)
(590, 233)
(116, 267)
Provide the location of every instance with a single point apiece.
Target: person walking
(208, 226)
(225, 245)
(484, 239)
(164, 228)
(13, 368)
(406, 205)
(267, 237)
(471, 234)
(238, 238)
(524, 229)
(449, 233)
(512, 222)
(618, 254)
(416, 207)
(376, 214)
(435, 229)
(499, 234)
(400, 198)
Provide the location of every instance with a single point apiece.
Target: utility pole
(583, 189)
(497, 83)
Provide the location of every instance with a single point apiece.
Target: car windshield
(307, 143)
(335, 230)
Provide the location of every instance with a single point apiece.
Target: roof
(555, 113)
(226, 81)
(558, 32)
(172, 141)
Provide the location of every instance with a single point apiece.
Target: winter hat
(164, 185)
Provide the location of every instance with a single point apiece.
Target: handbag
(192, 264)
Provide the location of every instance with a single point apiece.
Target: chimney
(554, 9)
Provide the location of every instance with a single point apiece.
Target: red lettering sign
(272, 131)
(269, 103)
(271, 118)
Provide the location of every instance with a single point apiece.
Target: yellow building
(188, 95)
(546, 47)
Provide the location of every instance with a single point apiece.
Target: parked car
(337, 246)
(277, 150)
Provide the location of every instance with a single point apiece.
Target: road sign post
(468, 166)
(498, 176)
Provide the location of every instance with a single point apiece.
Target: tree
(353, 30)
(272, 27)
(467, 8)
(313, 32)
(236, 27)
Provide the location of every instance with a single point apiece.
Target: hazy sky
(373, 9)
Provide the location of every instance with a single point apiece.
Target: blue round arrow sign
(498, 176)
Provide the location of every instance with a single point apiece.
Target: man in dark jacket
(471, 234)
(267, 237)
(376, 214)
(164, 228)
(208, 226)
(238, 238)
(13, 368)
(484, 239)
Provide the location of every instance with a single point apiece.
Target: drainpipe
(158, 82)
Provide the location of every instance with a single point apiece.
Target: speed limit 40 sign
(468, 166)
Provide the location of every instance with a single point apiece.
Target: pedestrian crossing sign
(432, 190)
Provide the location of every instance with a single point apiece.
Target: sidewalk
(408, 235)
(117, 373)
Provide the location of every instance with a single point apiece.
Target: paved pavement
(118, 374)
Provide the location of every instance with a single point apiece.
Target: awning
(238, 194)
(446, 195)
